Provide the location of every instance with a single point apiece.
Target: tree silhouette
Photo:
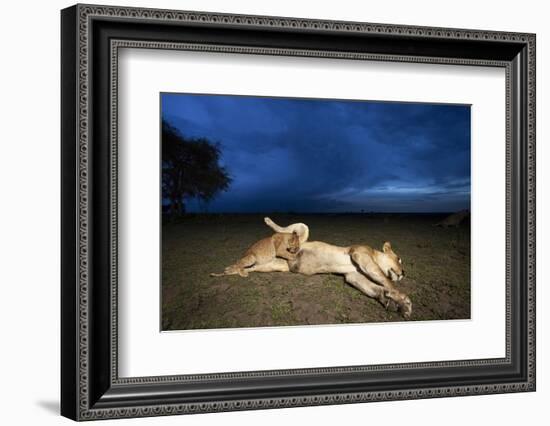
(190, 168)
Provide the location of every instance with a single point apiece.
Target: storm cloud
(319, 155)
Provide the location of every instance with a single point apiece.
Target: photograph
(280, 211)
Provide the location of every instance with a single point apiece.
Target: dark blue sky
(316, 155)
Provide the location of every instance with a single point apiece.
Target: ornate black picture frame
(91, 36)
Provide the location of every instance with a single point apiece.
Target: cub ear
(386, 247)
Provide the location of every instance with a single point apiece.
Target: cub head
(293, 244)
(391, 263)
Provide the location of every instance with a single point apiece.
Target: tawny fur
(370, 271)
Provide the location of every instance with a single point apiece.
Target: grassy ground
(436, 261)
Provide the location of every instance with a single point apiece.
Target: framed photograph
(263, 212)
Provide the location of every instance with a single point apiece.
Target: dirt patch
(436, 260)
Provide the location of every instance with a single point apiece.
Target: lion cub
(281, 244)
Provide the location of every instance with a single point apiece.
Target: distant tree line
(190, 169)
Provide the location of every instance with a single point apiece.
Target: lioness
(369, 270)
(283, 245)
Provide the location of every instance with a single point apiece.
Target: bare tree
(190, 168)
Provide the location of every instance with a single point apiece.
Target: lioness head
(391, 263)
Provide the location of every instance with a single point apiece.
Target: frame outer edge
(83, 208)
(83, 13)
(531, 213)
(69, 281)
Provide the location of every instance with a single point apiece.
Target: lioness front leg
(363, 284)
(239, 267)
